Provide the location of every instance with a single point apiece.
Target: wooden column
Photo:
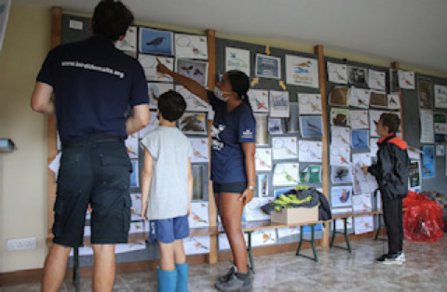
(319, 50)
(212, 212)
(396, 66)
(55, 40)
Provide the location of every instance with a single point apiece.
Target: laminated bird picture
(309, 104)
(193, 123)
(311, 174)
(378, 99)
(191, 46)
(377, 80)
(129, 43)
(393, 101)
(357, 76)
(253, 211)
(197, 245)
(359, 97)
(263, 237)
(311, 126)
(341, 196)
(363, 224)
(425, 93)
(149, 64)
(428, 161)
(158, 42)
(132, 146)
(362, 203)
(259, 100)
(261, 129)
(263, 159)
(406, 80)
(340, 155)
(374, 147)
(279, 104)
(288, 231)
(224, 244)
(155, 90)
(337, 73)
(237, 59)
(302, 71)
(153, 124)
(199, 214)
(285, 148)
(200, 150)
(134, 175)
(200, 176)
(359, 119)
(440, 96)
(274, 126)
(193, 102)
(339, 96)
(135, 210)
(286, 174)
(341, 174)
(340, 117)
(363, 159)
(360, 139)
(262, 185)
(340, 136)
(196, 70)
(310, 151)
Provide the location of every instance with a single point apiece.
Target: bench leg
(301, 241)
(380, 227)
(345, 234)
(345, 224)
(76, 280)
(334, 233)
(312, 241)
(250, 256)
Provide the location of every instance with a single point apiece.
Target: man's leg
(55, 267)
(104, 267)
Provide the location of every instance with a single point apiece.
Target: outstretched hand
(365, 169)
(162, 68)
(247, 196)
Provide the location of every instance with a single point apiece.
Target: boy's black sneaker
(398, 257)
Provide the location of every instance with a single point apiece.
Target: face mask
(219, 94)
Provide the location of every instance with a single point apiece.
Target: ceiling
(412, 32)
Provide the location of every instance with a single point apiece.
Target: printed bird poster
(378, 99)
(310, 151)
(425, 93)
(224, 244)
(339, 96)
(130, 247)
(309, 104)
(155, 90)
(153, 123)
(237, 59)
(362, 203)
(427, 133)
(135, 210)
(341, 174)
(196, 70)
(359, 97)
(341, 196)
(428, 161)
(360, 139)
(288, 231)
(263, 159)
(193, 102)
(129, 43)
(259, 100)
(286, 174)
(200, 149)
(134, 182)
(311, 126)
(274, 126)
(393, 101)
(197, 245)
(262, 185)
(363, 224)
(132, 146)
(364, 159)
(376, 80)
(261, 129)
(359, 119)
(191, 46)
(253, 211)
(374, 147)
(406, 79)
(340, 155)
(302, 71)
(263, 237)
(357, 76)
(285, 148)
(136, 227)
(340, 136)
(153, 41)
(414, 174)
(193, 123)
(311, 174)
(279, 104)
(149, 64)
(340, 117)
(337, 73)
(199, 214)
(440, 96)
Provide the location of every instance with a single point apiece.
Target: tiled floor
(425, 270)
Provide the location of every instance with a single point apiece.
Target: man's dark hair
(391, 121)
(111, 19)
(171, 105)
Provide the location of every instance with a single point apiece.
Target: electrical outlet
(21, 243)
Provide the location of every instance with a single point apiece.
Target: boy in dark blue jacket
(391, 172)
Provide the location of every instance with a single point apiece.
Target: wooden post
(396, 66)
(319, 50)
(212, 212)
(55, 40)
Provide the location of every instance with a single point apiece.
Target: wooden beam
(319, 50)
(212, 212)
(55, 40)
(396, 66)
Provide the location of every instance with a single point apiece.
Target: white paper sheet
(253, 211)
(237, 59)
(340, 136)
(191, 46)
(376, 80)
(200, 150)
(263, 159)
(310, 151)
(285, 148)
(263, 237)
(363, 184)
(302, 71)
(440, 96)
(132, 146)
(197, 245)
(359, 97)
(199, 214)
(259, 100)
(149, 64)
(288, 231)
(193, 102)
(362, 203)
(337, 73)
(427, 131)
(340, 155)
(393, 101)
(309, 104)
(406, 79)
(341, 196)
(286, 174)
(135, 210)
(279, 104)
(363, 224)
(341, 174)
(359, 119)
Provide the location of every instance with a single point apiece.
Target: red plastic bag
(423, 219)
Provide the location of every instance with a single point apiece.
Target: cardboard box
(295, 215)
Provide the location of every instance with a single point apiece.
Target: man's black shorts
(93, 171)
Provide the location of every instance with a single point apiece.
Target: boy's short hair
(391, 121)
(111, 19)
(171, 105)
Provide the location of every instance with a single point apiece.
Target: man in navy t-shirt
(94, 85)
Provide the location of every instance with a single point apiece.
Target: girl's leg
(231, 214)
(167, 261)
